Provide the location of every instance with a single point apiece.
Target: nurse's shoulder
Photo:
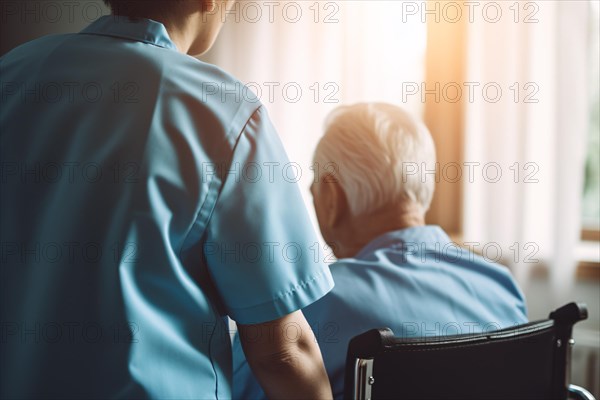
(207, 83)
(208, 94)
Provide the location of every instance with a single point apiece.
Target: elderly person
(392, 269)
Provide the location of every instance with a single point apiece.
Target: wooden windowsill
(590, 235)
(588, 271)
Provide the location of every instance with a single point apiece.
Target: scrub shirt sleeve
(261, 248)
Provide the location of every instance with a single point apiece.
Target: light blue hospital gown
(415, 281)
(143, 199)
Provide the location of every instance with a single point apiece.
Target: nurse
(123, 212)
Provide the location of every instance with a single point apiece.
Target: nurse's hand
(285, 358)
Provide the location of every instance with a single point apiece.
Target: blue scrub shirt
(415, 281)
(145, 196)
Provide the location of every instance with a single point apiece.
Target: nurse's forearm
(285, 358)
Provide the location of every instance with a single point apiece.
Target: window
(591, 189)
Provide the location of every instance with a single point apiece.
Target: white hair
(381, 155)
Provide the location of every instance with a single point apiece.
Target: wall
(22, 21)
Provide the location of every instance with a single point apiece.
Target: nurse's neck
(183, 34)
(195, 28)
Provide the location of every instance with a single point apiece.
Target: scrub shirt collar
(141, 30)
(421, 235)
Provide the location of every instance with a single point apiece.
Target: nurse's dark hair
(143, 8)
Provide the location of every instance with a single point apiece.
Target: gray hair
(380, 153)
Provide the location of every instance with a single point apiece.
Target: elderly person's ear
(334, 202)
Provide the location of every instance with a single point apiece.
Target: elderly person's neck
(356, 232)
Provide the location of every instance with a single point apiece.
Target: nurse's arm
(285, 358)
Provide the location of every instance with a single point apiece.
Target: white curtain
(535, 133)
(306, 57)
(331, 52)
